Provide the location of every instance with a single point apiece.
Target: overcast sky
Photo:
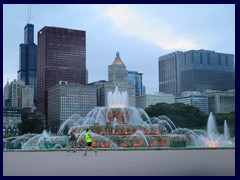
(140, 33)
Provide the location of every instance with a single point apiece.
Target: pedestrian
(88, 143)
(72, 142)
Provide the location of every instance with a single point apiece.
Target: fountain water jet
(118, 125)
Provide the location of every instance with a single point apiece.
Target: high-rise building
(27, 97)
(169, 73)
(196, 70)
(61, 57)
(21, 95)
(28, 59)
(100, 90)
(203, 69)
(117, 73)
(66, 100)
(118, 77)
(15, 93)
(135, 78)
(6, 95)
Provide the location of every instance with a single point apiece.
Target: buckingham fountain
(119, 125)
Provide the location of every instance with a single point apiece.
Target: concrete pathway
(121, 163)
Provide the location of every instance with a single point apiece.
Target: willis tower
(28, 59)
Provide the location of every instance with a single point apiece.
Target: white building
(221, 101)
(152, 99)
(15, 93)
(65, 100)
(19, 95)
(27, 97)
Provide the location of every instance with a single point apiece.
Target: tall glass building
(196, 70)
(203, 69)
(28, 59)
(135, 78)
(61, 57)
(169, 73)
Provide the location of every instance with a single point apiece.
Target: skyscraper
(15, 93)
(68, 100)
(135, 78)
(196, 70)
(118, 77)
(28, 59)
(61, 57)
(204, 69)
(6, 89)
(169, 73)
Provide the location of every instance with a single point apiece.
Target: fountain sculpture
(118, 125)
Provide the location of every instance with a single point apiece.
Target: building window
(201, 58)
(226, 61)
(185, 59)
(192, 58)
(208, 58)
(219, 60)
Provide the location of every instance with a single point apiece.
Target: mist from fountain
(71, 121)
(226, 131)
(117, 99)
(213, 138)
(211, 126)
(140, 134)
(130, 121)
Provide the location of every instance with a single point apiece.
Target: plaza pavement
(219, 162)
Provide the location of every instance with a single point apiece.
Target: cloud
(131, 22)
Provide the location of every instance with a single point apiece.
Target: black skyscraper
(28, 59)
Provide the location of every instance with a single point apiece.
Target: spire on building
(118, 60)
(29, 18)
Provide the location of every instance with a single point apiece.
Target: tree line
(187, 116)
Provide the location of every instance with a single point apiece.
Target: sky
(141, 33)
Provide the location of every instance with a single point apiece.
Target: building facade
(20, 95)
(196, 70)
(203, 69)
(135, 78)
(169, 73)
(28, 59)
(118, 77)
(27, 97)
(194, 98)
(146, 100)
(15, 93)
(100, 90)
(221, 101)
(61, 57)
(6, 95)
(11, 118)
(65, 100)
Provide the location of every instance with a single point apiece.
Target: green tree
(230, 119)
(182, 115)
(31, 125)
(191, 117)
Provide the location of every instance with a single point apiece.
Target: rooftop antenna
(29, 18)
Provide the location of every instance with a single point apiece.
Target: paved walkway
(121, 163)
